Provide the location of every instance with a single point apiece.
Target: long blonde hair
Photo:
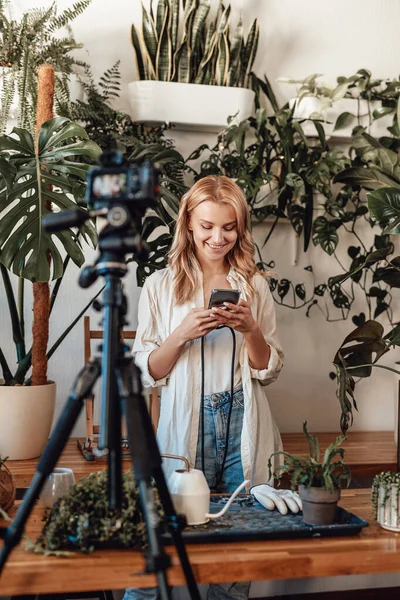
(182, 257)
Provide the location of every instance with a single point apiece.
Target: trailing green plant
(363, 347)
(82, 519)
(385, 480)
(359, 87)
(25, 45)
(208, 51)
(30, 182)
(331, 473)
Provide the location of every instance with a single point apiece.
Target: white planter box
(189, 105)
(309, 105)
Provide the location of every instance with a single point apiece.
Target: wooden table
(374, 550)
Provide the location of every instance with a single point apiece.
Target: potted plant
(214, 61)
(31, 183)
(385, 499)
(27, 43)
(319, 483)
(358, 100)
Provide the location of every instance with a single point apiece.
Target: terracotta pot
(26, 416)
(319, 505)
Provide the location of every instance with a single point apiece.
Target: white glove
(271, 498)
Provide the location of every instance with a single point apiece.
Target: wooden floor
(367, 453)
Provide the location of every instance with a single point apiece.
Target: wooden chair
(92, 431)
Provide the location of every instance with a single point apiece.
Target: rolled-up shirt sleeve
(266, 318)
(147, 336)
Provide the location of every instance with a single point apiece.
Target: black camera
(118, 191)
(116, 182)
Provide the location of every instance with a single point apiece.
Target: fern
(68, 15)
(28, 43)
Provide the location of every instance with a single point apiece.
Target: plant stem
(16, 328)
(377, 366)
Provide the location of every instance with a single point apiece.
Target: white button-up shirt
(177, 432)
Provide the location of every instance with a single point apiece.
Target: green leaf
(39, 181)
(368, 178)
(162, 8)
(222, 60)
(199, 20)
(138, 54)
(164, 49)
(150, 38)
(343, 120)
(384, 207)
(249, 52)
(174, 24)
(382, 111)
(235, 55)
(325, 234)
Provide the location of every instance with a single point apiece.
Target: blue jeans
(216, 410)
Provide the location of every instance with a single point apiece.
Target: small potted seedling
(319, 483)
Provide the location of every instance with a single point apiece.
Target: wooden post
(41, 290)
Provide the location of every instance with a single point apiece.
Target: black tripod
(121, 393)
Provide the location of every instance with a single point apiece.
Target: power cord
(219, 476)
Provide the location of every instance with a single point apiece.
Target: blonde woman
(212, 248)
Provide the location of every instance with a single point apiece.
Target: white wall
(297, 38)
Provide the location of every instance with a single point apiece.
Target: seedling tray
(247, 520)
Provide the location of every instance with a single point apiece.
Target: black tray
(246, 520)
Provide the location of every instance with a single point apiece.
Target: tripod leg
(82, 387)
(146, 460)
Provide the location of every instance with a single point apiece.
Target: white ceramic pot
(189, 105)
(26, 416)
(388, 515)
(310, 104)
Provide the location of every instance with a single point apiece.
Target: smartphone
(218, 297)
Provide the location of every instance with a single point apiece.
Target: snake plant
(207, 51)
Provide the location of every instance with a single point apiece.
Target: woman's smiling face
(214, 228)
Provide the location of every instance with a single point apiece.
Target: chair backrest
(97, 334)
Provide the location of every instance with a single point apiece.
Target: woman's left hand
(238, 316)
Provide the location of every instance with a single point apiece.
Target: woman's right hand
(198, 322)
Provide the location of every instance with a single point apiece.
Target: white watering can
(191, 495)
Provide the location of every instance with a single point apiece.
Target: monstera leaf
(30, 184)
(384, 206)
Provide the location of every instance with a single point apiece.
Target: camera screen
(109, 185)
